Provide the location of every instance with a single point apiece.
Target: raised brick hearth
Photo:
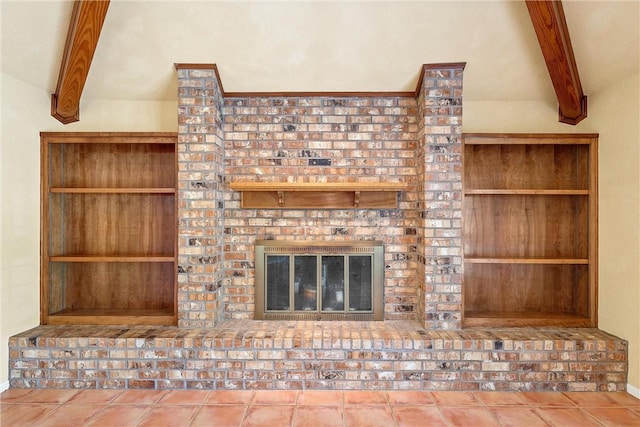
(409, 139)
(318, 355)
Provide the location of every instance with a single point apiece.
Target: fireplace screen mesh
(319, 281)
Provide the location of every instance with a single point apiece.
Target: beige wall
(25, 113)
(612, 113)
(615, 114)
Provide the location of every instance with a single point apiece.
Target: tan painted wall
(25, 113)
(616, 114)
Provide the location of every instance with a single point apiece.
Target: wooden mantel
(307, 195)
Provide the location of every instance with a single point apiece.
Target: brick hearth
(392, 355)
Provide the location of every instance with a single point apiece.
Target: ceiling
(277, 46)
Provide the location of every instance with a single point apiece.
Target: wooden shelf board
(525, 192)
(528, 139)
(114, 190)
(569, 261)
(102, 258)
(524, 319)
(112, 317)
(318, 186)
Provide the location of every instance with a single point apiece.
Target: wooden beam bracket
(82, 38)
(550, 25)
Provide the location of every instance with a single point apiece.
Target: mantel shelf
(309, 195)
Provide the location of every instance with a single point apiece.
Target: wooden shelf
(525, 319)
(531, 192)
(112, 317)
(137, 190)
(569, 261)
(100, 258)
(307, 195)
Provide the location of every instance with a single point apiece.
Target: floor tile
(517, 416)
(14, 394)
(69, 416)
(24, 414)
(546, 398)
(219, 416)
(455, 398)
(615, 416)
(229, 397)
(583, 399)
(365, 398)
(140, 397)
(500, 398)
(169, 415)
(320, 397)
(94, 397)
(119, 415)
(268, 416)
(316, 416)
(47, 395)
(368, 416)
(274, 397)
(468, 416)
(410, 397)
(417, 416)
(567, 417)
(625, 399)
(184, 397)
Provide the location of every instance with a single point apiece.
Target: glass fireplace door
(334, 283)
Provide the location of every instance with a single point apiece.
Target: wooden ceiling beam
(82, 38)
(551, 29)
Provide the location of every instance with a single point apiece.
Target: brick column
(200, 196)
(440, 195)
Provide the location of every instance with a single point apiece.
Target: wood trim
(593, 232)
(530, 138)
(319, 94)
(82, 38)
(318, 186)
(547, 17)
(45, 226)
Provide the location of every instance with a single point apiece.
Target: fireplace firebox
(319, 280)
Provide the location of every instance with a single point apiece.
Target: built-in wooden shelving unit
(530, 230)
(109, 229)
(308, 195)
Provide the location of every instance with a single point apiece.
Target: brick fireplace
(378, 138)
(413, 139)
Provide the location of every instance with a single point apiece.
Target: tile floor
(47, 407)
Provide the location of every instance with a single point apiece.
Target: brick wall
(414, 140)
(440, 196)
(320, 139)
(200, 198)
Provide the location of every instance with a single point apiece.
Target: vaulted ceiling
(304, 45)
